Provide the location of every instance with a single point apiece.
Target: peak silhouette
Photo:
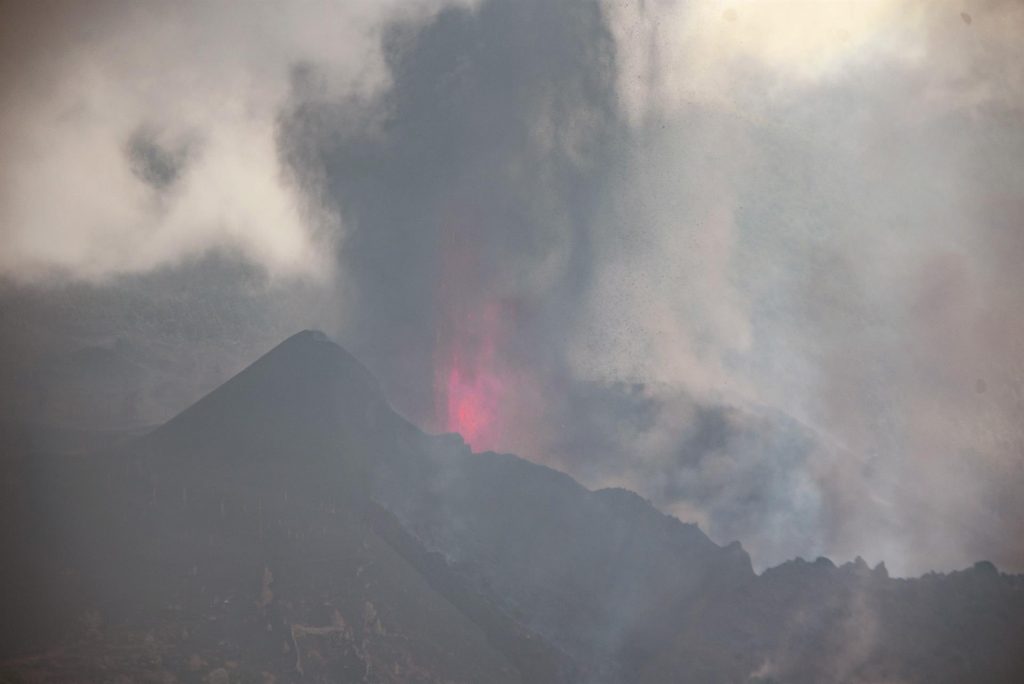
(306, 394)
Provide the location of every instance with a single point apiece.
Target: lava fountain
(470, 387)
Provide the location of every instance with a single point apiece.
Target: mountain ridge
(390, 555)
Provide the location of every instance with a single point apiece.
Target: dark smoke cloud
(155, 162)
(469, 186)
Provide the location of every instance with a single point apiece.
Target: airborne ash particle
(155, 162)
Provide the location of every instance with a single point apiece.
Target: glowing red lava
(471, 389)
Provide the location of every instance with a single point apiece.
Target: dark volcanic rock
(290, 526)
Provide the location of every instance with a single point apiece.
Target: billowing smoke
(757, 261)
(469, 193)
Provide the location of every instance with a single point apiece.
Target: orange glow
(472, 386)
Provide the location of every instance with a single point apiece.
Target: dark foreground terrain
(291, 527)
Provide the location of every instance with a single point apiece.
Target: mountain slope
(233, 538)
(290, 526)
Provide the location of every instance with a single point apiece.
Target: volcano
(290, 526)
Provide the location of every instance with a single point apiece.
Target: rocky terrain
(290, 526)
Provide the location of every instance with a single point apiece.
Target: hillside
(290, 526)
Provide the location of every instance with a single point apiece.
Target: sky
(756, 260)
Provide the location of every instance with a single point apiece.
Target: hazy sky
(759, 261)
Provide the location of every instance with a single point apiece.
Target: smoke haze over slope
(758, 261)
